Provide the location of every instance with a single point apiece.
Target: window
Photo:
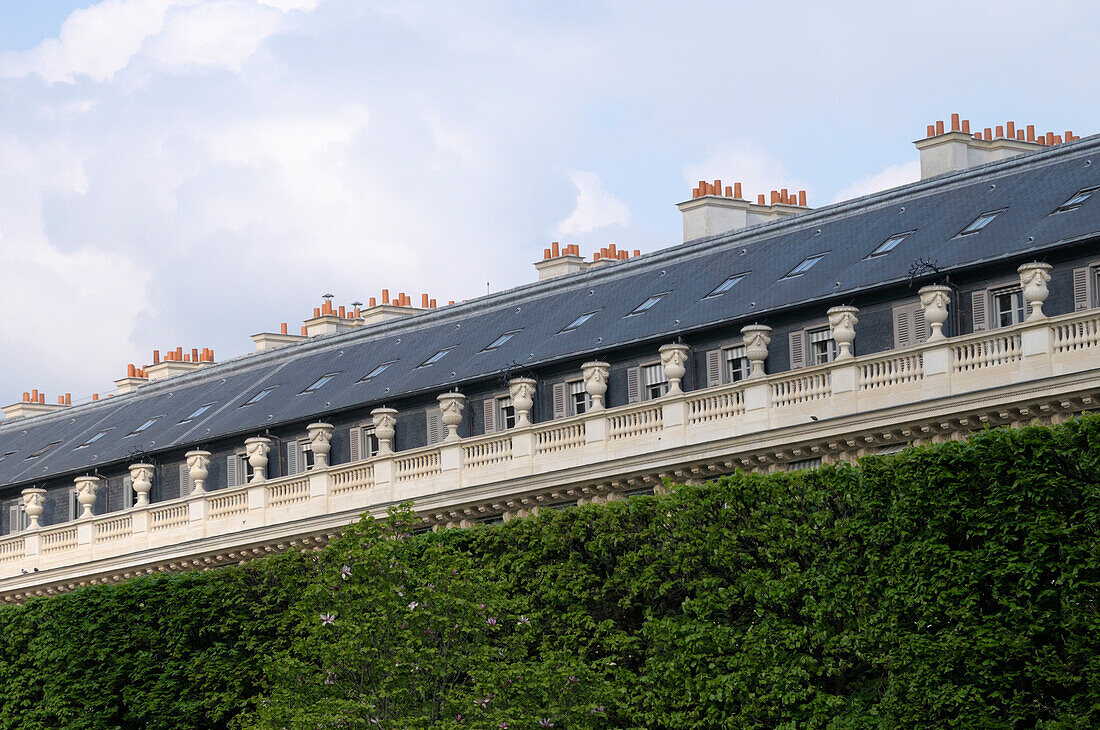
(648, 304)
(145, 425)
(578, 321)
(1077, 200)
(43, 450)
(981, 222)
(654, 384)
(889, 244)
(500, 340)
(822, 346)
(95, 438)
(364, 444)
(1008, 306)
(725, 286)
(435, 358)
(804, 464)
(17, 518)
(1086, 287)
(319, 383)
(238, 470)
(579, 401)
(259, 396)
(299, 457)
(6, 455)
(198, 412)
(806, 265)
(735, 364)
(506, 412)
(378, 370)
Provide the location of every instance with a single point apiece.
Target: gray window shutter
(186, 485)
(292, 449)
(14, 518)
(714, 368)
(903, 326)
(232, 479)
(127, 492)
(798, 350)
(921, 330)
(490, 406)
(355, 437)
(978, 301)
(434, 426)
(1082, 298)
(634, 385)
(561, 409)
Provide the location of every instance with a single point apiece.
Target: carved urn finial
(257, 449)
(595, 376)
(842, 325)
(451, 405)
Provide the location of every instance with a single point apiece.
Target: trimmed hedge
(949, 586)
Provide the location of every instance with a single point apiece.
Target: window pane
(578, 321)
(981, 222)
(320, 382)
(725, 286)
(648, 304)
(805, 266)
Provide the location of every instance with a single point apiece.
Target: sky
(192, 172)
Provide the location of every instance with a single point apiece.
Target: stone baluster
(198, 468)
(595, 375)
(756, 337)
(86, 490)
(522, 391)
(33, 504)
(674, 359)
(257, 449)
(935, 300)
(385, 428)
(320, 443)
(451, 405)
(141, 479)
(842, 326)
(1034, 278)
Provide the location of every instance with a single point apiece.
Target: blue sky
(191, 172)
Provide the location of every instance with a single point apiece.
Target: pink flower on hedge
(546, 722)
(413, 605)
(491, 621)
(484, 701)
(328, 618)
(345, 572)
(523, 621)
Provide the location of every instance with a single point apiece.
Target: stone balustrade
(666, 433)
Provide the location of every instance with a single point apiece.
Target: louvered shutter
(15, 519)
(634, 385)
(186, 485)
(434, 426)
(921, 330)
(1082, 297)
(903, 326)
(355, 438)
(714, 368)
(232, 478)
(978, 301)
(292, 453)
(127, 492)
(798, 350)
(560, 407)
(489, 405)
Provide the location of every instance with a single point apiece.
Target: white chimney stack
(950, 150)
(712, 211)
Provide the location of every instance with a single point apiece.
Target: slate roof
(1029, 187)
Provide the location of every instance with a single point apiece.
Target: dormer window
(43, 450)
(435, 358)
(319, 383)
(807, 264)
(889, 244)
(198, 412)
(578, 322)
(378, 370)
(981, 222)
(259, 396)
(498, 342)
(725, 286)
(1077, 200)
(648, 304)
(144, 426)
(95, 438)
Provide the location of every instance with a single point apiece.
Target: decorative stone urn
(842, 326)
(674, 361)
(198, 468)
(452, 405)
(522, 391)
(141, 479)
(257, 449)
(595, 376)
(86, 489)
(935, 300)
(320, 442)
(385, 427)
(757, 337)
(1034, 278)
(33, 502)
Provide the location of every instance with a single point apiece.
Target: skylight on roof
(648, 304)
(806, 265)
(501, 340)
(889, 244)
(725, 286)
(198, 412)
(319, 383)
(95, 438)
(6, 455)
(145, 425)
(436, 357)
(1079, 197)
(578, 322)
(43, 450)
(378, 370)
(259, 396)
(981, 222)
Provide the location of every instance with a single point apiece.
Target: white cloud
(596, 208)
(214, 34)
(891, 177)
(752, 166)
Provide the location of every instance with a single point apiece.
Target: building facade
(775, 337)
